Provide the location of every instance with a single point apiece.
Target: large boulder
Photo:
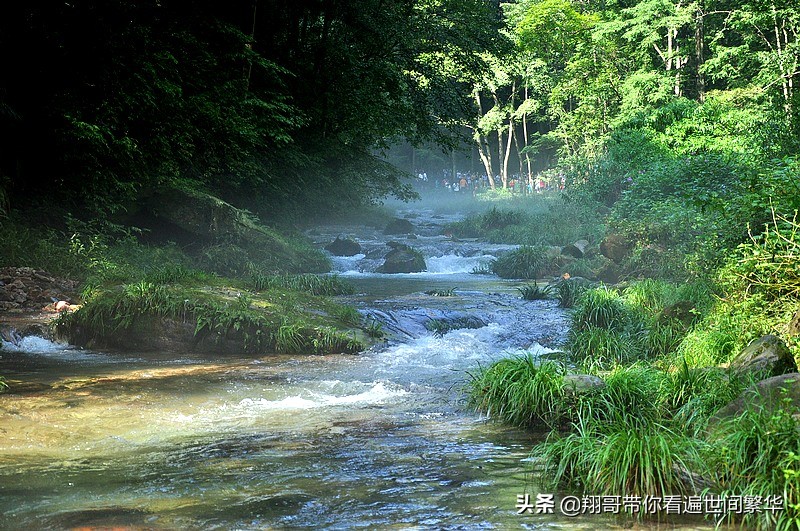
(579, 384)
(577, 249)
(403, 259)
(769, 394)
(205, 222)
(28, 290)
(615, 247)
(794, 324)
(768, 355)
(343, 247)
(399, 226)
(609, 273)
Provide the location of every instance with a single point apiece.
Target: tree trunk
(483, 144)
(508, 145)
(699, 52)
(525, 140)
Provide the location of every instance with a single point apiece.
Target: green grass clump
(347, 314)
(568, 292)
(374, 329)
(440, 327)
(480, 225)
(758, 453)
(441, 292)
(611, 457)
(524, 262)
(601, 308)
(593, 347)
(520, 391)
(313, 284)
(534, 292)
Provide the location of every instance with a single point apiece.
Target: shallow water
(377, 440)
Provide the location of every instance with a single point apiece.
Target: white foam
(453, 263)
(34, 345)
(377, 394)
(342, 264)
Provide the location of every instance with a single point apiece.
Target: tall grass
(606, 458)
(593, 348)
(601, 308)
(525, 262)
(313, 284)
(756, 454)
(532, 292)
(521, 391)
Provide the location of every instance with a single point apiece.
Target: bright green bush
(610, 457)
(520, 391)
(756, 454)
(524, 262)
(601, 308)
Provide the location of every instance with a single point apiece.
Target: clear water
(377, 440)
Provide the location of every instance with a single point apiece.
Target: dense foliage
(265, 103)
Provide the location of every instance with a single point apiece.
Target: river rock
(794, 324)
(399, 226)
(615, 247)
(768, 354)
(577, 249)
(552, 252)
(343, 247)
(683, 311)
(579, 384)
(768, 394)
(28, 290)
(215, 226)
(403, 259)
(609, 273)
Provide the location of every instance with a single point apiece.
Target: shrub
(520, 391)
(600, 308)
(756, 454)
(524, 262)
(534, 292)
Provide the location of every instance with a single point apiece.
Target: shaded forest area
(270, 105)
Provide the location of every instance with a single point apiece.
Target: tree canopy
(264, 102)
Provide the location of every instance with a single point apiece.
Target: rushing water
(376, 440)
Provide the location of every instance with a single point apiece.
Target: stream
(378, 440)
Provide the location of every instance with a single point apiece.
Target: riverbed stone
(399, 226)
(794, 324)
(343, 247)
(768, 394)
(615, 247)
(579, 384)
(577, 249)
(403, 259)
(206, 222)
(768, 355)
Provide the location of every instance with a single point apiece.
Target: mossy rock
(403, 259)
(343, 247)
(399, 226)
(581, 384)
(200, 219)
(768, 355)
(615, 247)
(770, 394)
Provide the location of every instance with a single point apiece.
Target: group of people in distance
(465, 182)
